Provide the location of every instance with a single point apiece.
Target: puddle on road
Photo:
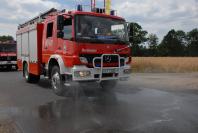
(121, 111)
(100, 113)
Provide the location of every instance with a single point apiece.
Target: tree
(137, 36)
(192, 46)
(6, 38)
(153, 44)
(173, 44)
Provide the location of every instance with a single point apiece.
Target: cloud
(14, 12)
(156, 16)
(159, 16)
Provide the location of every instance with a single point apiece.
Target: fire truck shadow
(78, 90)
(44, 83)
(87, 90)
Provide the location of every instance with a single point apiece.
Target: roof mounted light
(100, 10)
(112, 12)
(79, 8)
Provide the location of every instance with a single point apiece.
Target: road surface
(147, 103)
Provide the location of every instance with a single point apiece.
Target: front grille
(8, 58)
(90, 57)
(110, 59)
(107, 63)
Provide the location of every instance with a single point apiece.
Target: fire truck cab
(8, 58)
(74, 46)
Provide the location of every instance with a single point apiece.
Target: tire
(57, 81)
(108, 85)
(30, 78)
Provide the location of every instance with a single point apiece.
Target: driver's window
(67, 29)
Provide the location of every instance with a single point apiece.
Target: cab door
(66, 42)
(49, 40)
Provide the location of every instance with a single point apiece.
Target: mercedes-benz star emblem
(108, 58)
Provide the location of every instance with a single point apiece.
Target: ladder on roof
(38, 18)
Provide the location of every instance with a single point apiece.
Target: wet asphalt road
(147, 103)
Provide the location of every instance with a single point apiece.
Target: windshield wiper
(94, 39)
(90, 40)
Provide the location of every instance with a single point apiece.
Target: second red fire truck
(74, 46)
(8, 56)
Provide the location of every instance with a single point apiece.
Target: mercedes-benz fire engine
(8, 56)
(74, 46)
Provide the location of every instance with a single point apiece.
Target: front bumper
(100, 74)
(4, 63)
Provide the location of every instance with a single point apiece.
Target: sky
(155, 16)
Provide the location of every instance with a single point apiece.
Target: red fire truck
(74, 46)
(8, 57)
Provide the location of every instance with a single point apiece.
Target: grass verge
(165, 64)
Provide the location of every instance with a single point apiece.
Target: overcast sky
(155, 16)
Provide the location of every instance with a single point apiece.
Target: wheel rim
(56, 82)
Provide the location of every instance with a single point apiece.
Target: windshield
(101, 30)
(7, 47)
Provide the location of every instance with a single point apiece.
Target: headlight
(127, 71)
(83, 60)
(82, 73)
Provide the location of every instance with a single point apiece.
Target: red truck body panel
(34, 67)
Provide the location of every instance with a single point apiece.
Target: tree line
(174, 44)
(6, 38)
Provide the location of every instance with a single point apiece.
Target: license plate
(109, 71)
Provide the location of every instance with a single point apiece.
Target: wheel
(57, 81)
(30, 78)
(108, 85)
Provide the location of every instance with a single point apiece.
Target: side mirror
(60, 22)
(128, 26)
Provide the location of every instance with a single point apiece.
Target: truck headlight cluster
(83, 60)
(127, 71)
(82, 73)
